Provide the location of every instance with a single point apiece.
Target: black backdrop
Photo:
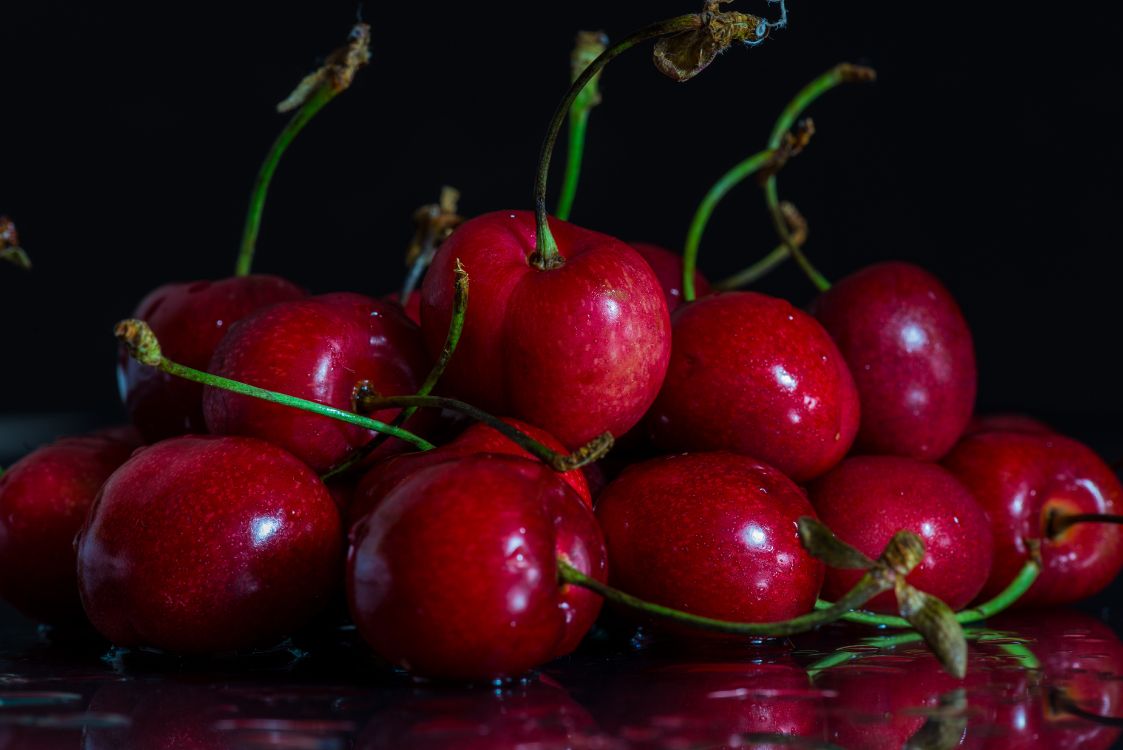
(987, 151)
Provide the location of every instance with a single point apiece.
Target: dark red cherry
(317, 348)
(577, 350)
(713, 534)
(189, 319)
(44, 498)
(865, 500)
(454, 575)
(911, 354)
(208, 544)
(412, 307)
(1006, 423)
(1020, 479)
(667, 266)
(753, 374)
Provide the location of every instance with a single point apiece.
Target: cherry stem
(433, 224)
(589, 46)
(594, 450)
(144, 347)
(452, 338)
(546, 255)
(1060, 702)
(1007, 597)
(1059, 522)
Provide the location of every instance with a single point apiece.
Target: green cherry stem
(144, 347)
(310, 96)
(589, 46)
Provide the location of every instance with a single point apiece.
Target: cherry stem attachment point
(1059, 522)
(310, 96)
(589, 46)
(9, 245)
(144, 347)
(1060, 702)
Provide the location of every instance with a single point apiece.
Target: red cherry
(713, 534)
(317, 348)
(911, 354)
(667, 266)
(43, 501)
(1020, 479)
(1005, 423)
(753, 374)
(189, 319)
(208, 544)
(454, 574)
(577, 350)
(867, 499)
(412, 307)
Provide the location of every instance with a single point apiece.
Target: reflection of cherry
(162, 715)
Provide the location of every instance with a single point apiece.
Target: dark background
(988, 152)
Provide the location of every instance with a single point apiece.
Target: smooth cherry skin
(667, 266)
(865, 500)
(577, 350)
(753, 374)
(208, 544)
(713, 534)
(454, 575)
(44, 498)
(189, 319)
(1019, 478)
(911, 354)
(316, 348)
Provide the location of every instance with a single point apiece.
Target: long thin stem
(145, 348)
(1060, 522)
(1002, 601)
(755, 272)
(772, 200)
(590, 45)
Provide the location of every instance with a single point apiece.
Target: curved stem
(755, 272)
(546, 254)
(145, 348)
(1007, 597)
(772, 200)
(590, 45)
(1060, 522)
(1060, 702)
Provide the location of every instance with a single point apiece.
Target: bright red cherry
(578, 349)
(317, 348)
(44, 498)
(208, 544)
(713, 534)
(189, 319)
(667, 266)
(1023, 478)
(865, 500)
(912, 356)
(454, 575)
(753, 374)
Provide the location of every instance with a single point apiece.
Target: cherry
(454, 575)
(317, 348)
(1005, 423)
(713, 534)
(911, 354)
(1028, 483)
(208, 544)
(753, 374)
(667, 266)
(44, 498)
(412, 307)
(866, 499)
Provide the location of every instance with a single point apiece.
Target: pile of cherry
(273, 461)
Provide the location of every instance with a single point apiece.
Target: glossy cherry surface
(1020, 478)
(318, 349)
(753, 374)
(865, 500)
(577, 350)
(189, 319)
(454, 574)
(208, 544)
(667, 266)
(44, 498)
(713, 534)
(911, 354)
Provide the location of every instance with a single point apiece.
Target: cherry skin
(865, 500)
(208, 544)
(578, 350)
(44, 498)
(1020, 479)
(189, 319)
(454, 574)
(912, 356)
(753, 374)
(316, 348)
(667, 266)
(412, 307)
(713, 534)
(478, 438)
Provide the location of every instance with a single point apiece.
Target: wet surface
(1037, 680)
